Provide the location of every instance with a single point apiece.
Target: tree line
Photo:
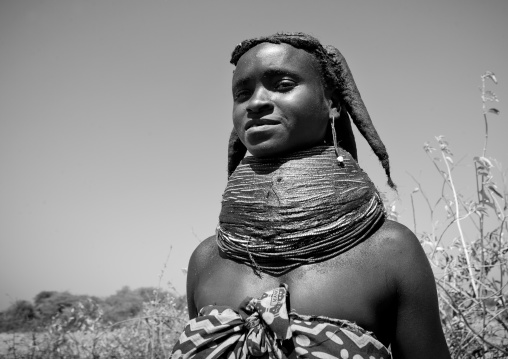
(126, 303)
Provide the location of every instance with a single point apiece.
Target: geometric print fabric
(263, 328)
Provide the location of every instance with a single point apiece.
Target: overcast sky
(115, 115)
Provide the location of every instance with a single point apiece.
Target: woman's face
(279, 102)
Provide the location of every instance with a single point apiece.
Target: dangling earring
(340, 159)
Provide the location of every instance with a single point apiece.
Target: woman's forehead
(277, 56)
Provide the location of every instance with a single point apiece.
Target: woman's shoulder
(395, 237)
(395, 248)
(206, 245)
(403, 255)
(204, 252)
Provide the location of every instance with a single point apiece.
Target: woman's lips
(260, 128)
(263, 122)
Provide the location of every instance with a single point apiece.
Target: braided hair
(335, 74)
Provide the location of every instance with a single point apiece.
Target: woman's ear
(334, 104)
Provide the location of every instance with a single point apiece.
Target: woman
(299, 216)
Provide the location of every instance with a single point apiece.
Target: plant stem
(501, 263)
(486, 132)
(480, 190)
(414, 212)
(484, 117)
(457, 219)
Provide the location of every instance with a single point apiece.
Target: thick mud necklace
(280, 213)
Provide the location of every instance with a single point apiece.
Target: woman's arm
(198, 260)
(418, 331)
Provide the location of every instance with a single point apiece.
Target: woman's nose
(259, 101)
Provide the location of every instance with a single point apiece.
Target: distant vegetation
(140, 323)
(25, 316)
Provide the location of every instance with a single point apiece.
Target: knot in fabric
(267, 321)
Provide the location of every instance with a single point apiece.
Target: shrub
(18, 316)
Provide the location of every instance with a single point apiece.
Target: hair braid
(335, 75)
(357, 110)
(236, 152)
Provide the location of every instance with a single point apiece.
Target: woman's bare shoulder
(404, 257)
(400, 250)
(204, 252)
(394, 236)
(199, 261)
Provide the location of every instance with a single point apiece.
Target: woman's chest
(353, 286)
(360, 293)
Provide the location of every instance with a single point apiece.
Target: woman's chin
(265, 152)
(266, 147)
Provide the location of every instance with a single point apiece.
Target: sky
(115, 116)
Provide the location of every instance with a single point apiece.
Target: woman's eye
(241, 95)
(285, 85)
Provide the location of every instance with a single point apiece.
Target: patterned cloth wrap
(262, 328)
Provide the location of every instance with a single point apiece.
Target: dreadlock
(335, 75)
